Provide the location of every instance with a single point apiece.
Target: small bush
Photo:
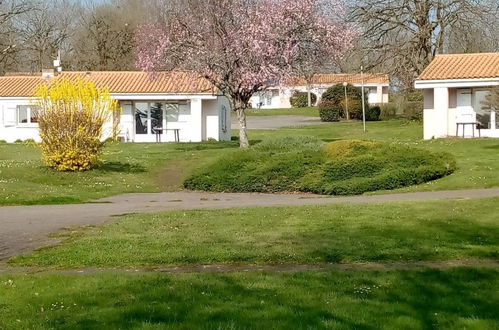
(300, 99)
(307, 165)
(336, 95)
(388, 111)
(30, 142)
(413, 110)
(329, 111)
(373, 113)
(72, 116)
(415, 96)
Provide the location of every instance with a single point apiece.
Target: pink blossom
(242, 46)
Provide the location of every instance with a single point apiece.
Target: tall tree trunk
(243, 131)
(309, 96)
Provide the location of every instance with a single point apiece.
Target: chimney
(48, 73)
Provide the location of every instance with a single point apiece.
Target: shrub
(300, 99)
(415, 96)
(413, 110)
(336, 95)
(344, 148)
(329, 111)
(30, 142)
(373, 113)
(388, 111)
(71, 119)
(307, 165)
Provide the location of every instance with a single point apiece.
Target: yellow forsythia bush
(72, 115)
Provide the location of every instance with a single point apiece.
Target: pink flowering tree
(243, 46)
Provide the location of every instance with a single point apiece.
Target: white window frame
(28, 122)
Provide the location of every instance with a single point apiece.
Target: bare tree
(10, 10)
(405, 35)
(44, 31)
(106, 39)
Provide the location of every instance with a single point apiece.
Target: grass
(426, 299)
(477, 159)
(404, 231)
(156, 167)
(126, 168)
(347, 167)
(308, 111)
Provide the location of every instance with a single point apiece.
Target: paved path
(24, 228)
(276, 122)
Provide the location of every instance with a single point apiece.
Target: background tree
(10, 10)
(240, 46)
(106, 39)
(44, 31)
(403, 36)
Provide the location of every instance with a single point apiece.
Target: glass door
(148, 121)
(483, 116)
(151, 118)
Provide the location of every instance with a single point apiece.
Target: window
(141, 118)
(157, 117)
(152, 116)
(27, 115)
(483, 116)
(223, 119)
(268, 97)
(172, 111)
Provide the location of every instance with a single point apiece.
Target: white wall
(192, 121)
(10, 130)
(378, 94)
(445, 107)
(216, 120)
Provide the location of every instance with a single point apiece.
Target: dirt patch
(171, 178)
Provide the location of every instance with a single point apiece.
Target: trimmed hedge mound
(347, 167)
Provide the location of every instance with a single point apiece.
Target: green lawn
(405, 231)
(309, 112)
(446, 230)
(126, 168)
(156, 167)
(425, 299)
(477, 159)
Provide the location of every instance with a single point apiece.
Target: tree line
(398, 37)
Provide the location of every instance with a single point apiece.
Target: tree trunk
(243, 131)
(309, 96)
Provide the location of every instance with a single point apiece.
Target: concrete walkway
(24, 228)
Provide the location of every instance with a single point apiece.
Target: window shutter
(9, 117)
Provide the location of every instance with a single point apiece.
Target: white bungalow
(376, 87)
(165, 107)
(454, 88)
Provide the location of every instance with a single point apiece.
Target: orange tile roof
(462, 66)
(118, 82)
(340, 78)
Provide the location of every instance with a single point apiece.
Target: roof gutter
(456, 83)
